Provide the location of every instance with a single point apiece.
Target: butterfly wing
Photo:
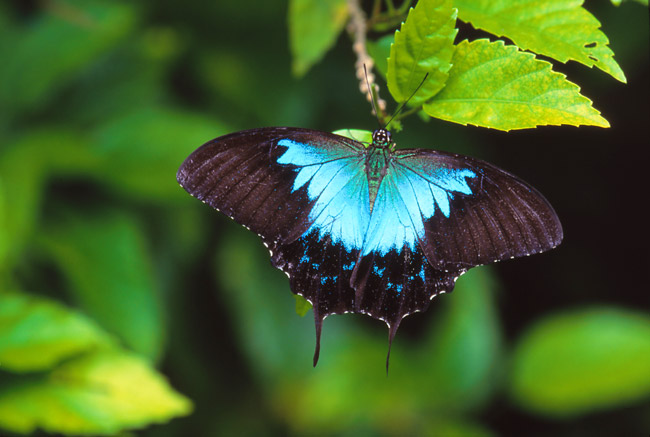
(304, 192)
(437, 215)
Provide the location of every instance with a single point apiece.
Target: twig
(357, 29)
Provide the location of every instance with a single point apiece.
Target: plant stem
(358, 29)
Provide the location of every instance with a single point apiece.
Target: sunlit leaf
(423, 45)
(560, 29)
(59, 42)
(618, 2)
(314, 26)
(101, 393)
(363, 136)
(583, 361)
(37, 333)
(498, 86)
(107, 264)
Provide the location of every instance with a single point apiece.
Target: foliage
(517, 91)
(560, 29)
(423, 47)
(449, 79)
(308, 42)
(87, 384)
(118, 292)
(583, 360)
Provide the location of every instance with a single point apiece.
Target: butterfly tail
(392, 330)
(318, 319)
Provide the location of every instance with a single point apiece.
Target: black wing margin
(503, 218)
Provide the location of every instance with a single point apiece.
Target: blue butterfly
(366, 228)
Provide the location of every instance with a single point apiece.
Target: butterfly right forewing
(501, 216)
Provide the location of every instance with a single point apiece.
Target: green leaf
(38, 61)
(361, 135)
(148, 146)
(379, 50)
(424, 45)
(583, 361)
(259, 296)
(618, 2)
(25, 166)
(130, 77)
(314, 26)
(5, 237)
(560, 29)
(498, 86)
(302, 305)
(36, 333)
(465, 344)
(107, 264)
(101, 393)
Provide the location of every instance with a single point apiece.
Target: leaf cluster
(82, 318)
(482, 82)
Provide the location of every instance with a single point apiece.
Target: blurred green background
(113, 278)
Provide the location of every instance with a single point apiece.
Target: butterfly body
(366, 228)
(376, 166)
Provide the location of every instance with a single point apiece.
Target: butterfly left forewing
(239, 175)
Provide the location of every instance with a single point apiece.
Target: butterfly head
(382, 138)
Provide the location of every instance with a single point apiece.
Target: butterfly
(365, 228)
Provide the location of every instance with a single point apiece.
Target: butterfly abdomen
(376, 166)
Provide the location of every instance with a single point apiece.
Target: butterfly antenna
(372, 97)
(407, 100)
